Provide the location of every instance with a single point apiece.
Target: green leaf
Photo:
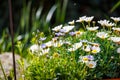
(115, 6)
(50, 13)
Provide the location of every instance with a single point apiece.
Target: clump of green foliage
(70, 53)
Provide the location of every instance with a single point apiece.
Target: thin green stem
(93, 23)
(103, 27)
(83, 25)
(3, 71)
(110, 28)
(89, 24)
(116, 23)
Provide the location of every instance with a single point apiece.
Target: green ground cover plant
(81, 49)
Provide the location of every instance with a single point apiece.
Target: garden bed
(73, 53)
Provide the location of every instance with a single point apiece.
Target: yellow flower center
(78, 32)
(90, 65)
(85, 59)
(102, 36)
(55, 55)
(94, 51)
(58, 44)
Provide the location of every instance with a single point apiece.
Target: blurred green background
(30, 15)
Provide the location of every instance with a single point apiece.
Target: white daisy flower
(86, 19)
(78, 33)
(42, 38)
(75, 46)
(84, 41)
(95, 49)
(83, 59)
(81, 19)
(118, 50)
(58, 43)
(106, 23)
(71, 22)
(34, 48)
(102, 35)
(115, 39)
(49, 43)
(116, 29)
(116, 19)
(91, 64)
(44, 51)
(94, 44)
(92, 28)
(87, 48)
(57, 28)
(72, 49)
(86, 58)
(66, 29)
(110, 24)
(54, 39)
(89, 19)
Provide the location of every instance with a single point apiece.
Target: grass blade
(115, 6)
(50, 13)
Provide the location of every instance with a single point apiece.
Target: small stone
(7, 63)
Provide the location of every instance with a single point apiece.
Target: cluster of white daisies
(91, 47)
